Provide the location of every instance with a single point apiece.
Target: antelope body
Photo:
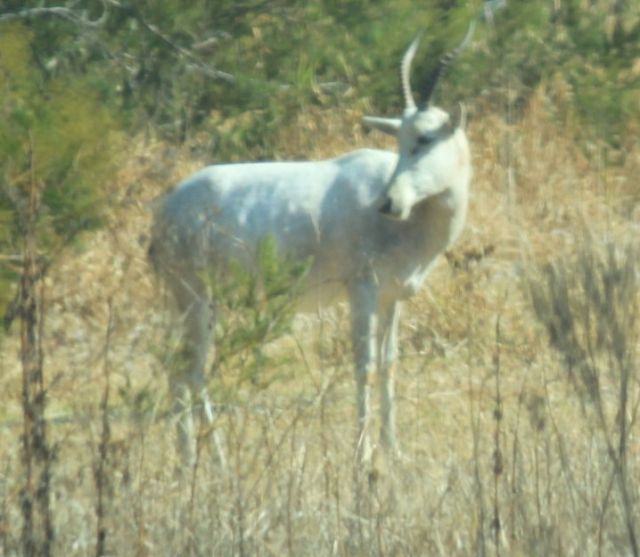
(372, 222)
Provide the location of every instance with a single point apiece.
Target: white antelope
(372, 222)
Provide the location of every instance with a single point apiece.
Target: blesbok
(372, 222)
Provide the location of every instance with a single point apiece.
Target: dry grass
(282, 479)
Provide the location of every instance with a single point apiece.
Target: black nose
(385, 208)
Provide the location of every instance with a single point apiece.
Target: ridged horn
(445, 62)
(405, 73)
(461, 118)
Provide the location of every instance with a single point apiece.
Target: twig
(58, 11)
(498, 460)
(199, 64)
(37, 455)
(101, 475)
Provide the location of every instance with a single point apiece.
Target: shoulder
(368, 161)
(365, 156)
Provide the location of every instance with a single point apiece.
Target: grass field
(510, 447)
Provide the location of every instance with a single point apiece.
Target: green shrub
(57, 137)
(255, 306)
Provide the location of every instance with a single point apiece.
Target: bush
(590, 309)
(56, 136)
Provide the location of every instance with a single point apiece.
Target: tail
(152, 255)
(153, 252)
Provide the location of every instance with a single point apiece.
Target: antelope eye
(421, 141)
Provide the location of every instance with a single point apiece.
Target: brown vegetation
(500, 456)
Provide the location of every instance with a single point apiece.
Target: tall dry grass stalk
(102, 464)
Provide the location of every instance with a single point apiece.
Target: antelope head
(432, 146)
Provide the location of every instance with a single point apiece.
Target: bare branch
(73, 16)
(59, 11)
(198, 63)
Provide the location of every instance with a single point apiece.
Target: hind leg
(188, 383)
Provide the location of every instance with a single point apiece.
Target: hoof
(392, 450)
(206, 408)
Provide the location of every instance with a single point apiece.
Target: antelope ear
(389, 126)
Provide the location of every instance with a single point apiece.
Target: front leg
(388, 352)
(363, 329)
